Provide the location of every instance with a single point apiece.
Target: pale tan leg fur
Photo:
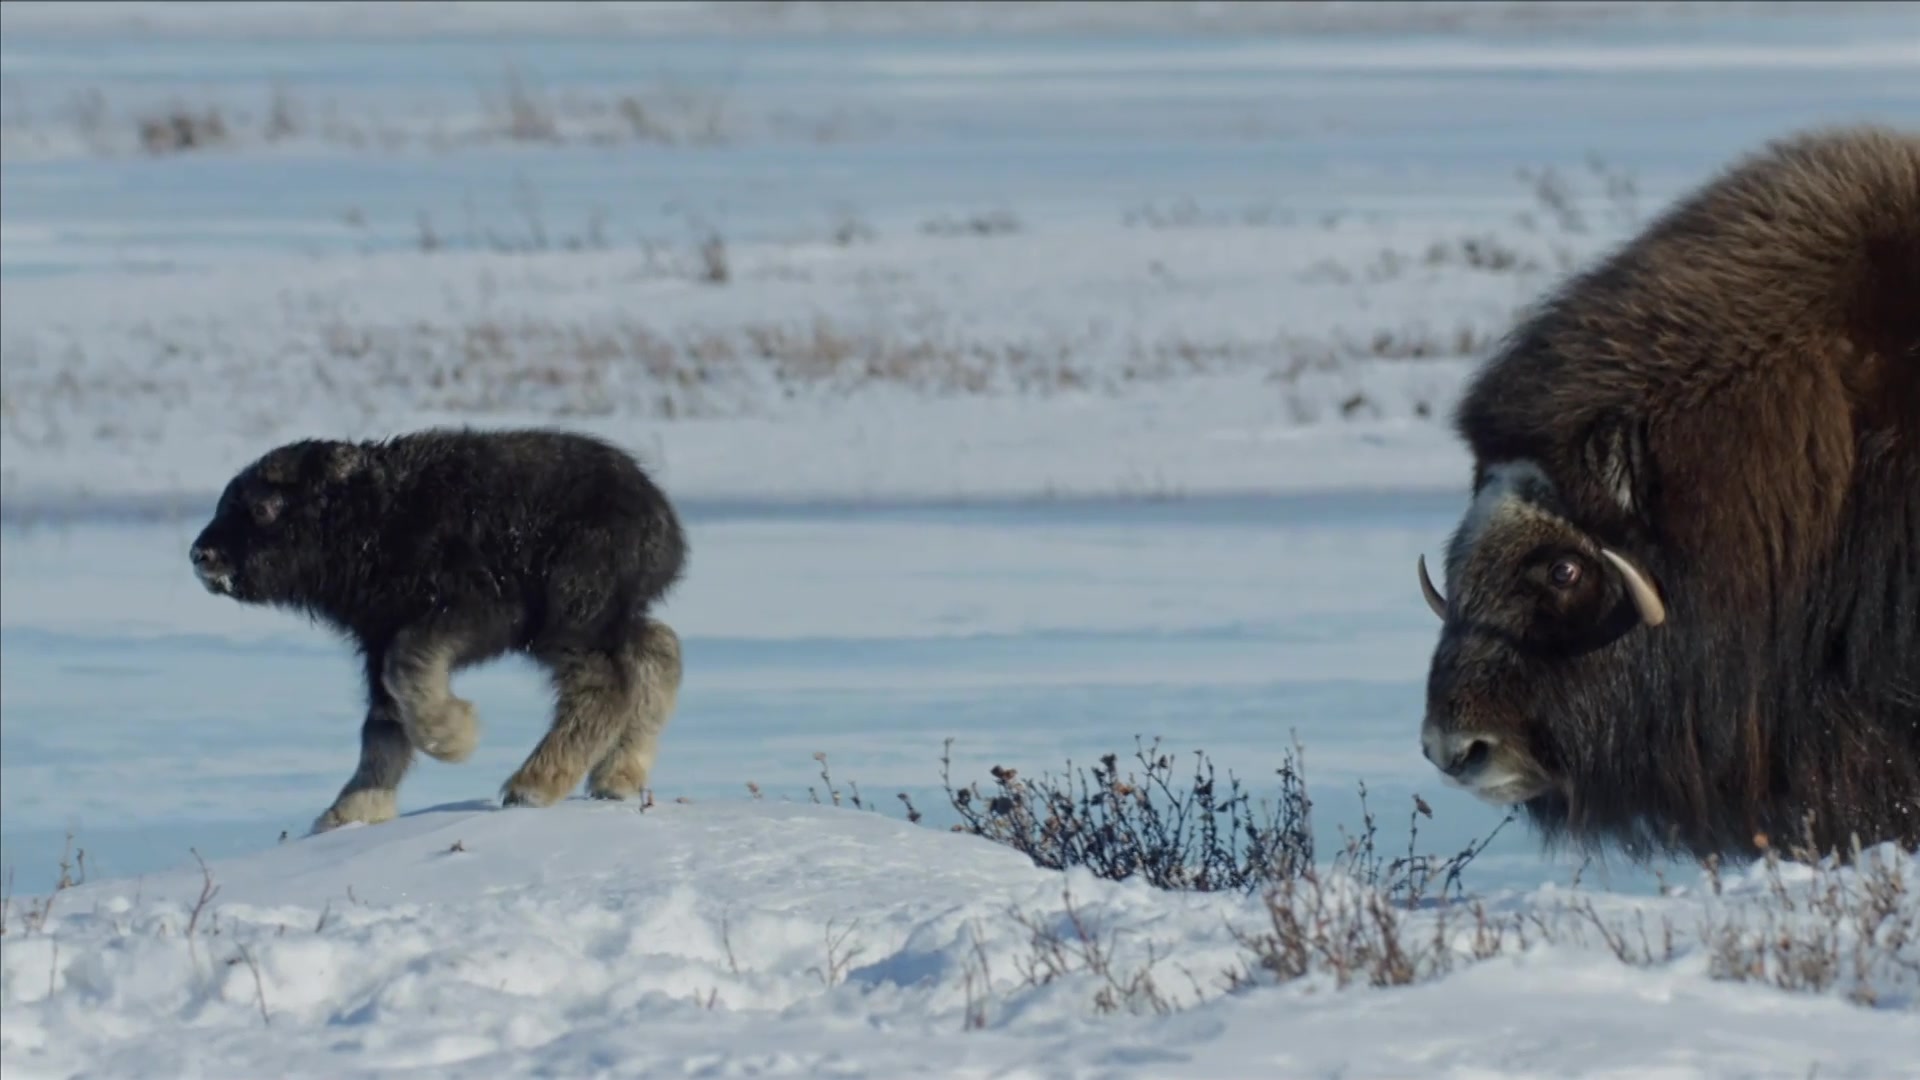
(589, 718)
(622, 773)
(418, 670)
(369, 806)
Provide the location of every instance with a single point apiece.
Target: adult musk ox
(1682, 611)
(441, 549)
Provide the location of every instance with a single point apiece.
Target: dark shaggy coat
(446, 548)
(1733, 399)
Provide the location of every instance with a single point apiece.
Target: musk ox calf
(1682, 611)
(442, 549)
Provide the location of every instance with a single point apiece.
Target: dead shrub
(283, 115)
(1859, 929)
(982, 223)
(1369, 919)
(180, 130)
(1187, 213)
(1200, 833)
(714, 266)
(521, 111)
(1070, 946)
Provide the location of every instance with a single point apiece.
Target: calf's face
(271, 521)
(1531, 602)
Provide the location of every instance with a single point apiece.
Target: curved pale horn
(1434, 600)
(1645, 598)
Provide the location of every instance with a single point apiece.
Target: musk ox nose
(208, 561)
(1455, 754)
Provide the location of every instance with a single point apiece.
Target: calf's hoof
(369, 807)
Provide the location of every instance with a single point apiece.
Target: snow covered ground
(851, 266)
(765, 939)
(1038, 386)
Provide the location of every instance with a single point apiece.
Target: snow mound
(783, 939)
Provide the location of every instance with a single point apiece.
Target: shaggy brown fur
(1731, 402)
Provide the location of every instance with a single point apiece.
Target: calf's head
(272, 522)
(1532, 603)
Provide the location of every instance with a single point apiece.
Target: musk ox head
(1535, 608)
(273, 520)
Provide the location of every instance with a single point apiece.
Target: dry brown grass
(513, 107)
(627, 364)
(1810, 929)
(1816, 931)
(1562, 207)
(36, 912)
(979, 223)
(648, 366)
(497, 362)
(1186, 212)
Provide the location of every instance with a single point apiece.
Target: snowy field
(743, 939)
(1038, 377)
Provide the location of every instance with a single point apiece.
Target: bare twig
(207, 891)
(726, 942)
(259, 987)
(839, 958)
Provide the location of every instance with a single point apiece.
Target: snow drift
(771, 939)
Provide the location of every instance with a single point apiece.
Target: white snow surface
(1064, 384)
(769, 939)
(1043, 264)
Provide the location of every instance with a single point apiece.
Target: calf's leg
(370, 795)
(655, 668)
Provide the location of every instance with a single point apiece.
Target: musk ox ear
(343, 461)
(1615, 456)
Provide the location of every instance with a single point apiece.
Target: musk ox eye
(1565, 573)
(266, 511)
